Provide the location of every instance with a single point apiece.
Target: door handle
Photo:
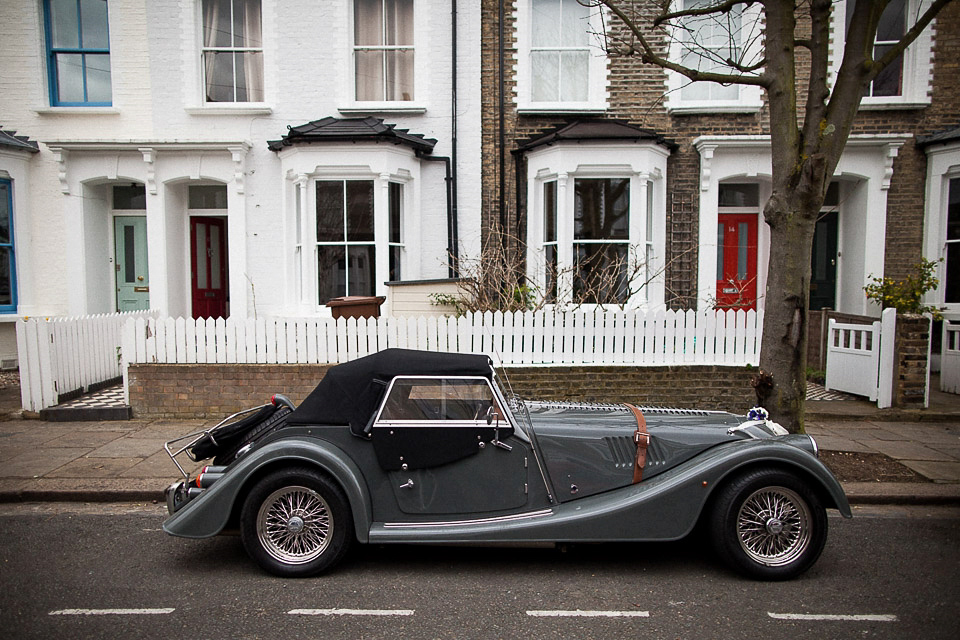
(408, 484)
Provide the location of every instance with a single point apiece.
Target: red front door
(208, 266)
(737, 261)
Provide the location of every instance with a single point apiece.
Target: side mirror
(490, 414)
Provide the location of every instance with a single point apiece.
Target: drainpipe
(453, 235)
(452, 240)
(502, 136)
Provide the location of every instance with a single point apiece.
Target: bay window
(951, 292)
(232, 51)
(395, 230)
(8, 280)
(601, 240)
(347, 242)
(593, 239)
(346, 251)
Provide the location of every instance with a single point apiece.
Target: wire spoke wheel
(769, 524)
(773, 526)
(294, 524)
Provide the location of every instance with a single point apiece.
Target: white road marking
(351, 612)
(110, 612)
(834, 617)
(589, 614)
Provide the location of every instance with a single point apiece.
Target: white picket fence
(63, 355)
(59, 356)
(522, 338)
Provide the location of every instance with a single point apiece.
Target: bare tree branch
(649, 55)
(908, 38)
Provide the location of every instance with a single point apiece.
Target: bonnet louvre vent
(622, 450)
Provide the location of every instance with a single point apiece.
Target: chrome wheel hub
(294, 525)
(773, 526)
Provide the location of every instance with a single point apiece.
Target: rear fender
(208, 514)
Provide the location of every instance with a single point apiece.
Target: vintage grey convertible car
(416, 447)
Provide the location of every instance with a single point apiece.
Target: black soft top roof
(351, 392)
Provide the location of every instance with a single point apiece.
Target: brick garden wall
(187, 391)
(216, 390)
(699, 387)
(911, 362)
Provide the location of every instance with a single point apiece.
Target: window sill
(533, 109)
(247, 109)
(700, 109)
(892, 106)
(362, 109)
(86, 111)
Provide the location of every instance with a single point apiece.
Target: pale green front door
(133, 281)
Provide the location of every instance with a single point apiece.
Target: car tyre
(768, 524)
(296, 523)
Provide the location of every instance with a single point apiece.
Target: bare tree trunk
(783, 350)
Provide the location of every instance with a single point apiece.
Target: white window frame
(644, 165)
(421, 69)
(749, 98)
(230, 49)
(10, 245)
(397, 245)
(917, 61)
(302, 236)
(943, 165)
(192, 61)
(597, 90)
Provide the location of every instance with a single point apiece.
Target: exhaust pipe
(213, 469)
(205, 480)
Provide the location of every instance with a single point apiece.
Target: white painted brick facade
(158, 106)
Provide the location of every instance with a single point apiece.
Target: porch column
(237, 236)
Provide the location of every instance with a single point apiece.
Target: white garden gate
(860, 358)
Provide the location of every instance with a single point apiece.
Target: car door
(447, 448)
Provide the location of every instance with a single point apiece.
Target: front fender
(208, 514)
(798, 456)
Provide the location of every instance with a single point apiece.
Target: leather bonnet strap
(642, 440)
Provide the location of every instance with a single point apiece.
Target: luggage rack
(278, 401)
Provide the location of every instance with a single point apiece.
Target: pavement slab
(85, 439)
(159, 465)
(836, 443)
(94, 468)
(38, 462)
(934, 470)
(129, 446)
(904, 450)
